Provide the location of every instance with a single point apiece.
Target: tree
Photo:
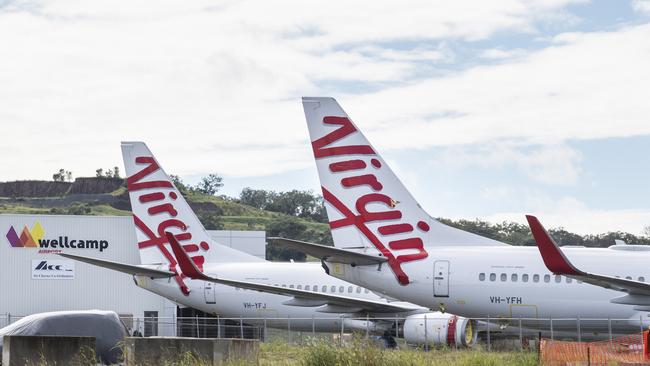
(286, 228)
(295, 203)
(646, 231)
(62, 176)
(257, 198)
(179, 184)
(109, 173)
(209, 185)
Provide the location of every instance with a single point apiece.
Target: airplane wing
(337, 303)
(122, 267)
(330, 254)
(558, 263)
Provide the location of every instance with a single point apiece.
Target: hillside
(93, 196)
(108, 196)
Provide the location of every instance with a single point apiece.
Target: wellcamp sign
(36, 238)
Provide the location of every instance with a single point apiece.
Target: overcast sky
(512, 106)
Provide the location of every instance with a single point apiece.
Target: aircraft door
(441, 279)
(208, 292)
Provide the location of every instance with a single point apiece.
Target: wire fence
(492, 333)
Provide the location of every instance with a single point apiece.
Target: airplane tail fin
(367, 205)
(158, 206)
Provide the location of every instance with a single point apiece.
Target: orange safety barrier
(627, 350)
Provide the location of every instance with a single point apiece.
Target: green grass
(22, 209)
(361, 352)
(106, 210)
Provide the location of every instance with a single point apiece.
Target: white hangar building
(34, 279)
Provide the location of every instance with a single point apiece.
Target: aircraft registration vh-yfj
(385, 241)
(220, 280)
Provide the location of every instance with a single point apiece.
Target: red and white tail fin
(367, 205)
(159, 207)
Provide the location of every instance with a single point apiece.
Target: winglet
(553, 257)
(188, 267)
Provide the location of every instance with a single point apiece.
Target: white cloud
(549, 164)
(501, 54)
(572, 214)
(584, 221)
(76, 76)
(584, 86)
(642, 6)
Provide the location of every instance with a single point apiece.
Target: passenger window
(315, 288)
(628, 277)
(513, 278)
(558, 279)
(324, 289)
(524, 277)
(341, 289)
(504, 277)
(307, 288)
(350, 289)
(568, 280)
(366, 291)
(641, 279)
(536, 278)
(481, 277)
(493, 277)
(299, 287)
(358, 289)
(547, 278)
(283, 285)
(333, 289)
(290, 286)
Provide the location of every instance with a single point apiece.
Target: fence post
(342, 331)
(521, 336)
(579, 335)
(265, 331)
(241, 327)
(641, 323)
(551, 320)
(367, 326)
(197, 326)
(289, 327)
(588, 356)
(396, 326)
(426, 336)
(218, 327)
(488, 334)
(609, 328)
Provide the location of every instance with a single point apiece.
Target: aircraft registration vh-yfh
(409, 255)
(234, 284)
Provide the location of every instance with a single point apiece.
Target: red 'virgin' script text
(362, 175)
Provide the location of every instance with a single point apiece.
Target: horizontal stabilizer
(329, 254)
(559, 264)
(131, 269)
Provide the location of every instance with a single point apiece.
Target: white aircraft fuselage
(260, 308)
(512, 282)
(438, 266)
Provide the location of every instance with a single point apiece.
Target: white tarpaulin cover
(105, 326)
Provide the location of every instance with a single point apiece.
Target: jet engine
(440, 329)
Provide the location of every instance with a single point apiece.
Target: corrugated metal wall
(92, 287)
